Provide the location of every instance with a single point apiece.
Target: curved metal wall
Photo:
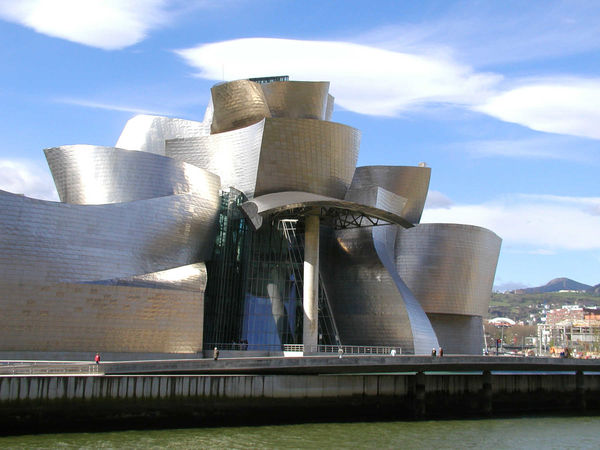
(149, 133)
(87, 174)
(450, 268)
(297, 99)
(64, 317)
(237, 104)
(52, 242)
(462, 335)
(409, 182)
(369, 305)
(307, 155)
(233, 155)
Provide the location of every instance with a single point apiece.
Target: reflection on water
(521, 433)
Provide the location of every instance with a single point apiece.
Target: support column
(310, 291)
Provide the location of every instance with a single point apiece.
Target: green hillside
(523, 306)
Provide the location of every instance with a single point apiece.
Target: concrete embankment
(79, 402)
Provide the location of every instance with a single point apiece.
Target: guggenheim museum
(253, 229)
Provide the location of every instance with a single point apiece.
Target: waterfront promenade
(43, 396)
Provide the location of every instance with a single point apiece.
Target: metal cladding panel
(237, 104)
(424, 337)
(149, 133)
(461, 335)
(297, 99)
(366, 303)
(53, 242)
(86, 174)
(377, 197)
(233, 155)
(95, 318)
(307, 155)
(450, 268)
(185, 278)
(409, 182)
(330, 106)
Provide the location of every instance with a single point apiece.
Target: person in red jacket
(97, 358)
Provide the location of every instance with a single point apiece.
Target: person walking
(97, 358)
(441, 352)
(216, 353)
(433, 352)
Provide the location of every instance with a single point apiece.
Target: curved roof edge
(259, 207)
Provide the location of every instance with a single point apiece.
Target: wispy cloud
(564, 105)
(564, 148)
(28, 178)
(374, 81)
(488, 33)
(106, 24)
(365, 79)
(531, 222)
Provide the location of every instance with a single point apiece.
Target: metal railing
(48, 368)
(335, 349)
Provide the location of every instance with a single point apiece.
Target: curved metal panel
(330, 106)
(282, 201)
(368, 304)
(297, 99)
(307, 155)
(87, 174)
(95, 318)
(409, 182)
(233, 155)
(450, 268)
(52, 242)
(185, 278)
(149, 133)
(462, 335)
(237, 104)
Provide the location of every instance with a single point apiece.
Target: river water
(513, 433)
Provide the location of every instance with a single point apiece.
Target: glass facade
(253, 298)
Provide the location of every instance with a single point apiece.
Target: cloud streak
(109, 107)
(539, 223)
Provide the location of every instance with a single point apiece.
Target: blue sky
(501, 99)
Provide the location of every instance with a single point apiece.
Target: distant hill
(558, 284)
(595, 289)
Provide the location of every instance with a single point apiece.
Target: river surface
(514, 433)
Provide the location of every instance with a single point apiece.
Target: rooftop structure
(252, 229)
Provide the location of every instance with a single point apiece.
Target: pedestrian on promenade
(216, 353)
(340, 352)
(433, 352)
(441, 352)
(97, 358)
(393, 352)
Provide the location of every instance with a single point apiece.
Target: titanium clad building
(252, 230)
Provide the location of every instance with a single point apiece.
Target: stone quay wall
(78, 402)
